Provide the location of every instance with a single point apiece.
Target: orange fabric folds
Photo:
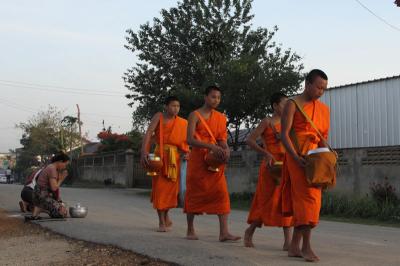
(165, 185)
(299, 198)
(206, 191)
(266, 204)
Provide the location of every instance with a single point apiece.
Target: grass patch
(341, 208)
(365, 207)
(369, 221)
(241, 201)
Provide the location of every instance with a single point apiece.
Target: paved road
(125, 218)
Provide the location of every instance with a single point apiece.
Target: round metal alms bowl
(78, 211)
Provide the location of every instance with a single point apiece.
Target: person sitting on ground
(46, 196)
(26, 204)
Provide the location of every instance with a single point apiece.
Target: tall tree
(44, 134)
(70, 137)
(203, 42)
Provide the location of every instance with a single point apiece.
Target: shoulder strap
(311, 123)
(274, 129)
(32, 184)
(161, 137)
(206, 126)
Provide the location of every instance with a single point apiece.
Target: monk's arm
(255, 134)
(147, 138)
(287, 122)
(191, 140)
(227, 152)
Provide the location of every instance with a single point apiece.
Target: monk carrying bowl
(155, 165)
(213, 162)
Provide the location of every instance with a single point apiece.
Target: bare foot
(191, 236)
(168, 223)
(285, 247)
(248, 239)
(22, 206)
(162, 229)
(309, 255)
(229, 237)
(296, 253)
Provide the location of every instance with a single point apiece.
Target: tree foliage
(203, 42)
(44, 134)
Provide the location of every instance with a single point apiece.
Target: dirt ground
(29, 244)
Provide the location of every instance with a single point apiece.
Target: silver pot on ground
(78, 211)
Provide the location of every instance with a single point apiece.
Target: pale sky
(49, 46)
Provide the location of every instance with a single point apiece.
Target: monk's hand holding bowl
(269, 159)
(219, 152)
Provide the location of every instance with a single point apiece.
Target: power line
(56, 86)
(377, 16)
(17, 106)
(61, 91)
(30, 110)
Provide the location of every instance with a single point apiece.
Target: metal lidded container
(78, 211)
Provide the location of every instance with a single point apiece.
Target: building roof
(364, 82)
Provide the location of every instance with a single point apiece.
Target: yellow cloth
(170, 164)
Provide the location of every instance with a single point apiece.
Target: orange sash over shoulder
(206, 191)
(165, 186)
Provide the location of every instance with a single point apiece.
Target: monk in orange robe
(266, 208)
(206, 190)
(299, 198)
(168, 131)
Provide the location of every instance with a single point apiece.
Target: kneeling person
(46, 196)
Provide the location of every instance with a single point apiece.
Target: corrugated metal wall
(365, 114)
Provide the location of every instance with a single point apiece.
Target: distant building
(7, 160)
(365, 114)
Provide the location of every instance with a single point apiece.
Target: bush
(113, 141)
(241, 200)
(384, 193)
(365, 207)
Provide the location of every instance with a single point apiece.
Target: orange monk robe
(298, 197)
(266, 206)
(207, 191)
(164, 194)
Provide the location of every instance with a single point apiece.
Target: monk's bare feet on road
(286, 247)
(168, 223)
(229, 237)
(309, 255)
(296, 253)
(162, 229)
(248, 239)
(191, 235)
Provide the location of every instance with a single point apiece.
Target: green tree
(203, 42)
(44, 134)
(69, 134)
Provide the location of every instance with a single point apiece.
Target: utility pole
(79, 125)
